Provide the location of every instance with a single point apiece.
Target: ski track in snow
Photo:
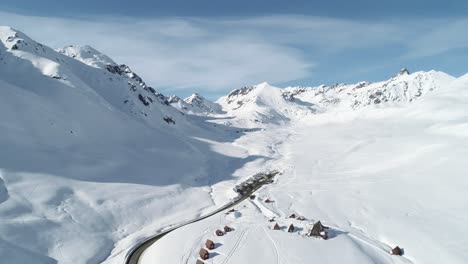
(195, 246)
(236, 245)
(274, 244)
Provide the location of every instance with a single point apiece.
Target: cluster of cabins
(318, 230)
(210, 245)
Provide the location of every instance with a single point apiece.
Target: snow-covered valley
(93, 161)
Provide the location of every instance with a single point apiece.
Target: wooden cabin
(227, 229)
(204, 254)
(301, 218)
(397, 251)
(318, 230)
(276, 227)
(291, 228)
(292, 216)
(268, 201)
(209, 244)
(219, 233)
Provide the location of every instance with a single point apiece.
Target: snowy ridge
(264, 104)
(87, 55)
(403, 87)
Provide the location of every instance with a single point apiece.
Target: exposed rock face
(403, 71)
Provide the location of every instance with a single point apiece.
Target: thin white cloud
(173, 53)
(444, 36)
(213, 54)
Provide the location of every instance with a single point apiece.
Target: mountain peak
(263, 84)
(403, 71)
(87, 55)
(15, 39)
(195, 97)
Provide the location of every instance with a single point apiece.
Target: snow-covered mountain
(93, 160)
(69, 72)
(264, 104)
(261, 105)
(85, 144)
(195, 105)
(403, 87)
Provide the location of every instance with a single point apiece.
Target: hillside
(88, 151)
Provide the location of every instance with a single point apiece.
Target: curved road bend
(133, 256)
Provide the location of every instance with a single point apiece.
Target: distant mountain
(264, 104)
(403, 87)
(261, 105)
(195, 104)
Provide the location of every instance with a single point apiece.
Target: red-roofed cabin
(268, 201)
(227, 229)
(204, 254)
(291, 228)
(219, 233)
(209, 244)
(276, 227)
(292, 216)
(397, 251)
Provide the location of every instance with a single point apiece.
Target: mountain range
(92, 158)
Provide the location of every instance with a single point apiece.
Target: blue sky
(212, 47)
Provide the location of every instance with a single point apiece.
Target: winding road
(133, 256)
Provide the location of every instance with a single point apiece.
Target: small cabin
(318, 230)
(209, 244)
(204, 254)
(227, 229)
(219, 233)
(301, 218)
(276, 227)
(268, 201)
(397, 251)
(292, 216)
(291, 228)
